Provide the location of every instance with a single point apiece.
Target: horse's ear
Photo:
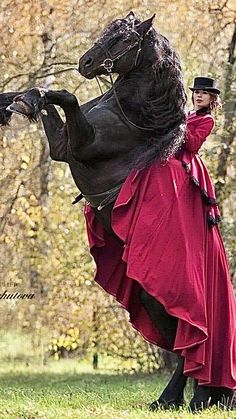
(130, 16)
(144, 27)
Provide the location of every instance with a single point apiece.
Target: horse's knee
(69, 98)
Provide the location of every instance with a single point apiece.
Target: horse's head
(119, 48)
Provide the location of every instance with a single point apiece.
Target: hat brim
(208, 89)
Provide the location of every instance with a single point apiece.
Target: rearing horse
(140, 120)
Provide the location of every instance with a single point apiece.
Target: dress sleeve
(196, 135)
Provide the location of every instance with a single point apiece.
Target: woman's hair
(215, 102)
(214, 106)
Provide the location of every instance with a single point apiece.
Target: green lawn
(69, 389)
(72, 389)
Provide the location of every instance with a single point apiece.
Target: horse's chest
(116, 147)
(110, 125)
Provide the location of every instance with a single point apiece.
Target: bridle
(108, 64)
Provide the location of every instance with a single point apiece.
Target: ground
(71, 389)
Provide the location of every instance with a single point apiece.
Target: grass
(71, 389)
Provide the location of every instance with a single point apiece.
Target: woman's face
(201, 99)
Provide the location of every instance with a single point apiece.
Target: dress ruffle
(200, 177)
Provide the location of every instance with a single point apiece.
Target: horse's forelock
(119, 26)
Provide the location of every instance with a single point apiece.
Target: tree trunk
(229, 130)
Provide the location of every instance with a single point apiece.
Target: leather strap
(102, 199)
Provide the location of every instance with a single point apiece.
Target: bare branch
(35, 76)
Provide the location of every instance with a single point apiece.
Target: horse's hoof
(29, 103)
(20, 107)
(205, 397)
(202, 399)
(166, 404)
(154, 406)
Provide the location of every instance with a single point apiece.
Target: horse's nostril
(88, 62)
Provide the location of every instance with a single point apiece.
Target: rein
(108, 64)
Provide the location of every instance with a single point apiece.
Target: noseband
(108, 64)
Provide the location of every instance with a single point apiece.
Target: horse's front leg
(56, 133)
(5, 100)
(79, 132)
(53, 124)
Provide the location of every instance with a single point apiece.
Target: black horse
(139, 120)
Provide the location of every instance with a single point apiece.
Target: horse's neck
(139, 79)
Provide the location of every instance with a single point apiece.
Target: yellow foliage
(42, 236)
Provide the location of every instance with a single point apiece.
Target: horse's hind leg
(164, 322)
(206, 396)
(172, 396)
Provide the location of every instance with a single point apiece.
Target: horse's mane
(164, 110)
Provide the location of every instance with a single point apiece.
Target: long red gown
(167, 218)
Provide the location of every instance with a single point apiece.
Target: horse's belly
(98, 177)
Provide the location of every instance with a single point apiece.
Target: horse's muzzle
(86, 65)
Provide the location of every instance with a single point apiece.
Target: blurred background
(43, 242)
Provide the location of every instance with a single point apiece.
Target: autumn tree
(42, 236)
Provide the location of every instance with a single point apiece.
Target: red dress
(167, 217)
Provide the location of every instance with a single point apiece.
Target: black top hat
(205, 83)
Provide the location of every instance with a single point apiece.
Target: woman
(169, 268)
(200, 124)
